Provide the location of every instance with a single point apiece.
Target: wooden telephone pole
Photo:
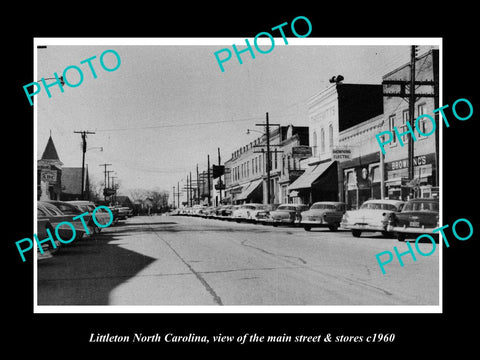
(84, 150)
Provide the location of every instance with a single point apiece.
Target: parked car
(47, 248)
(224, 211)
(323, 214)
(372, 216)
(101, 215)
(208, 212)
(247, 211)
(287, 214)
(418, 216)
(263, 216)
(122, 212)
(53, 214)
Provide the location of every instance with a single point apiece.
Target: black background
(67, 334)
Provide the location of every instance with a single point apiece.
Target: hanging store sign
(339, 154)
(301, 152)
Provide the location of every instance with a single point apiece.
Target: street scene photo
(307, 177)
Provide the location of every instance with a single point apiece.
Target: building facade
(49, 173)
(365, 173)
(246, 171)
(425, 182)
(331, 111)
(360, 170)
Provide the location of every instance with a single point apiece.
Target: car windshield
(287, 207)
(421, 206)
(53, 209)
(41, 211)
(260, 207)
(379, 206)
(67, 208)
(323, 206)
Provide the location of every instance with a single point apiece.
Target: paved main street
(176, 260)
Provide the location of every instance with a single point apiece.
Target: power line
(179, 125)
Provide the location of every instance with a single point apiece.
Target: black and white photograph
(266, 180)
(257, 185)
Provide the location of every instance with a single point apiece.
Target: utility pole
(190, 190)
(178, 194)
(108, 180)
(105, 182)
(268, 160)
(411, 111)
(267, 131)
(208, 180)
(114, 189)
(84, 150)
(220, 182)
(198, 188)
(173, 197)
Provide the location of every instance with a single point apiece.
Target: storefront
(398, 185)
(319, 182)
(251, 193)
(361, 180)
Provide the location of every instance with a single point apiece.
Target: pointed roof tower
(50, 154)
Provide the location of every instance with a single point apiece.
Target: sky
(168, 105)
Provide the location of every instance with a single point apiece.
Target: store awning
(397, 181)
(249, 189)
(311, 174)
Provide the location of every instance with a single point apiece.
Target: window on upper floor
(391, 126)
(330, 136)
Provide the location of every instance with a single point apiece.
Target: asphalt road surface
(176, 260)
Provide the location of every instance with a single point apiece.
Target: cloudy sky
(168, 105)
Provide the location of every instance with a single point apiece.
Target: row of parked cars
(51, 213)
(405, 220)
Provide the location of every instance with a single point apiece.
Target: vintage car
(287, 214)
(101, 215)
(323, 214)
(263, 216)
(123, 212)
(247, 212)
(224, 211)
(47, 248)
(418, 216)
(46, 210)
(373, 215)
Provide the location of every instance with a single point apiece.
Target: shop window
(375, 174)
(351, 179)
